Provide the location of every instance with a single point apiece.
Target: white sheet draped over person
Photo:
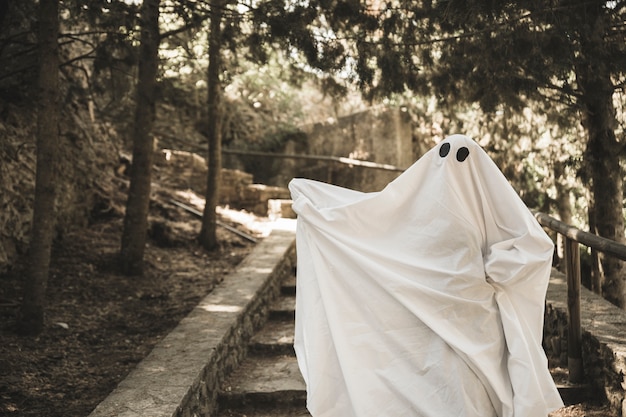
(425, 298)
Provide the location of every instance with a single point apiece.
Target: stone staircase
(268, 382)
(232, 356)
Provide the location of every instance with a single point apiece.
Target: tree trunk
(608, 220)
(42, 234)
(208, 233)
(597, 274)
(138, 203)
(564, 209)
(4, 7)
(603, 153)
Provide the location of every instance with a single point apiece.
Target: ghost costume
(423, 299)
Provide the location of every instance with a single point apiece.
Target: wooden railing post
(574, 333)
(573, 237)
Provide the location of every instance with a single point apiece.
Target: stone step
(575, 393)
(289, 286)
(284, 308)
(275, 338)
(266, 412)
(571, 393)
(263, 382)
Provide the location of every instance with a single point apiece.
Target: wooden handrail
(574, 237)
(605, 245)
(339, 159)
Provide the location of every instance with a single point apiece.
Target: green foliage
(281, 58)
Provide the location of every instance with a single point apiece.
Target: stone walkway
(182, 374)
(233, 355)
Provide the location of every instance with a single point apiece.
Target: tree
(245, 32)
(583, 58)
(4, 6)
(208, 235)
(595, 69)
(568, 54)
(138, 203)
(42, 233)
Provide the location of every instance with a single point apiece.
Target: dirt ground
(99, 323)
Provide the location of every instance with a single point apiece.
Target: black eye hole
(444, 149)
(461, 154)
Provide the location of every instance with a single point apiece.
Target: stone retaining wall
(603, 337)
(181, 376)
(382, 135)
(237, 190)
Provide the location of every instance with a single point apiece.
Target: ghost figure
(425, 298)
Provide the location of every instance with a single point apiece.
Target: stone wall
(378, 135)
(237, 190)
(603, 338)
(86, 162)
(182, 374)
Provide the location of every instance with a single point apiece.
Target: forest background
(83, 83)
(539, 84)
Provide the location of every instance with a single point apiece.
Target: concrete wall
(378, 135)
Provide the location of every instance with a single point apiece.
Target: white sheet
(423, 299)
